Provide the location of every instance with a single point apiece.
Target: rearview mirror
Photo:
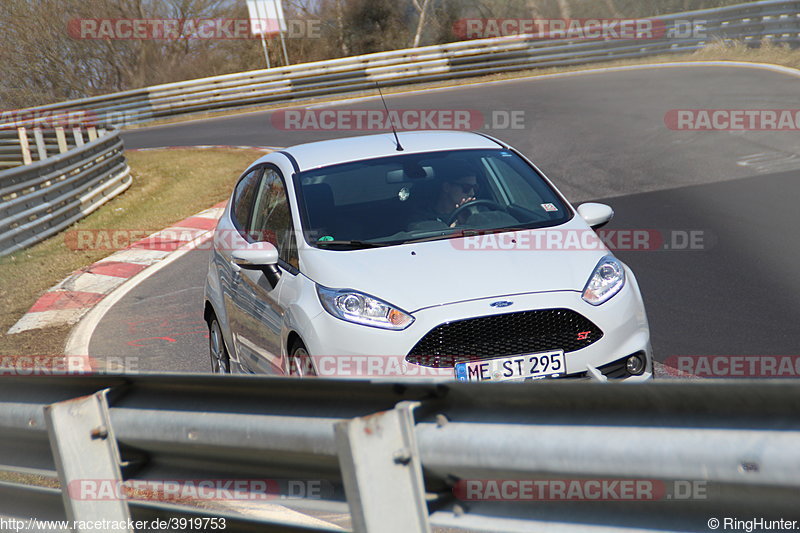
(596, 215)
(261, 256)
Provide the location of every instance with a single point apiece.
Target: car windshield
(415, 197)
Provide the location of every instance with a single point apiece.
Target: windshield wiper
(463, 233)
(455, 234)
(352, 244)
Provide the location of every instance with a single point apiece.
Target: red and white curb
(72, 298)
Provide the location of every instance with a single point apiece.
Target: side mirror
(261, 256)
(596, 215)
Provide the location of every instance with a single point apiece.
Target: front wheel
(220, 359)
(300, 364)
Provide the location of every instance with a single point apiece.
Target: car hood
(417, 276)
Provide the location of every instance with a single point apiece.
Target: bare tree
(375, 25)
(612, 9)
(340, 21)
(564, 9)
(41, 62)
(48, 62)
(422, 10)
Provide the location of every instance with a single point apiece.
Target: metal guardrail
(395, 457)
(23, 146)
(775, 20)
(41, 197)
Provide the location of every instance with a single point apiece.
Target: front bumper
(345, 350)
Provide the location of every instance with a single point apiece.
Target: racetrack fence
(776, 21)
(402, 457)
(23, 140)
(55, 179)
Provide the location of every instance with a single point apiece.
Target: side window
(518, 188)
(272, 217)
(243, 198)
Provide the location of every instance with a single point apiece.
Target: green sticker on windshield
(326, 238)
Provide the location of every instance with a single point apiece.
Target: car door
(229, 237)
(257, 317)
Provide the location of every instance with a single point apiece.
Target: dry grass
(773, 54)
(37, 480)
(168, 186)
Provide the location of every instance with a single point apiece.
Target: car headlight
(354, 306)
(606, 281)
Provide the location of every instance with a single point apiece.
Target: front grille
(500, 335)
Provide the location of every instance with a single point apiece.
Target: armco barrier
(23, 146)
(754, 22)
(396, 457)
(775, 20)
(43, 196)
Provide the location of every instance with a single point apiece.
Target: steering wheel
(475, 203)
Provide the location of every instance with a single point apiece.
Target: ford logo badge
(501, 304)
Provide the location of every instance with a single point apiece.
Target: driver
(459, 187)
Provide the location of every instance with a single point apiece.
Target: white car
(446, 255)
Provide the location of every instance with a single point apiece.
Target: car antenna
(396, 138)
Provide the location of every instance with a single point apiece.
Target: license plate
(517, 367)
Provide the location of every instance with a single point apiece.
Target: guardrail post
(41, 148)
(24, 146)
(382, 472)
(87, 459)
(77, 134)
(62, 140)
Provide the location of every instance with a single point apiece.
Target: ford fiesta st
(445, 254)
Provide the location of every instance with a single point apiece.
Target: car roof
(335, 151)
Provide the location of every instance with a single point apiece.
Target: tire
(220, 359)
(300, 364)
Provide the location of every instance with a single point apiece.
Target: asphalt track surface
(598, 136)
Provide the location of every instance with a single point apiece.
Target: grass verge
(168, 186)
